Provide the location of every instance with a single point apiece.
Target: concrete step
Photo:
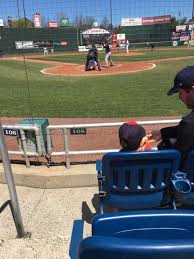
(54, 177)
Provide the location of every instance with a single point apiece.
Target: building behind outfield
(147, 30)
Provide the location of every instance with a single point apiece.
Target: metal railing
(66, 152)
(24, 151)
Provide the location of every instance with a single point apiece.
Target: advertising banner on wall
(37, 21)
(24, 44)
(61, 43)
(156, 20)
(52, 24)
(1, 23)
(121, 40)
(191, 27)
(176, 36)
(118, 41)
(185, 36)
(95, 31)
(43, 43)
(121, 36)
(180, 28)
(131, 21)
(33, 44)
(146, 20)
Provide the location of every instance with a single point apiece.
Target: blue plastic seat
(136, 180)
(153, 234)
(188, 168)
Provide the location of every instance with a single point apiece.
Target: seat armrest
(99, 166)
(99, 170)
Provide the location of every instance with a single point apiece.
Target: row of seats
(145, 180)
(149, 186)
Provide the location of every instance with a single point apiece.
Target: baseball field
(57, 85)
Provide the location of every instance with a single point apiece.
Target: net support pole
(193, 11)
(15, 209)
(111, 15)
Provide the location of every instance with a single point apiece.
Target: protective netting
(43, 51)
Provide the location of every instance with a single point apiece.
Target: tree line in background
(83, 23)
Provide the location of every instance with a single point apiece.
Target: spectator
(132, 137)
(152, 46)
(118, 45)
(127, 46)
(180, 137)
(45, 51)
(189, 44)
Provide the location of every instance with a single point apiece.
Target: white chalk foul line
(47, 73)
(119, 72)
(139, 70)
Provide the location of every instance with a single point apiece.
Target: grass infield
(26, 92)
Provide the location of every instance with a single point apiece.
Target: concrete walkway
(49, 214)
(61, 198)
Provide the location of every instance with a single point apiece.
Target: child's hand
(145, 144)
(154, 136)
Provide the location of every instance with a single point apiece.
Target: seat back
(139, 172)
(142, 235)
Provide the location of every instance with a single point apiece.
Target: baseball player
(108, 59)
(45, 51)
(127, 46)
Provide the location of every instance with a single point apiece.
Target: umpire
(92, 55)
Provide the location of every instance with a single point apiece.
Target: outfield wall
(8, 36)
(159, 33)
(147, 33)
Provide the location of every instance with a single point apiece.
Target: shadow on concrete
(87, 214)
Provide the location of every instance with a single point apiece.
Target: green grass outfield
(26, 92)
(148, 55)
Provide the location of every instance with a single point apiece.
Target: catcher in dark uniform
(92, 61)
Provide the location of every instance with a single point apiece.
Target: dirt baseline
(78, 70)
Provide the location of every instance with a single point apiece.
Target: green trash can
(30, 135)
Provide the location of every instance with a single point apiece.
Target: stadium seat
(136, 180)
(154, 234)
(188, 168)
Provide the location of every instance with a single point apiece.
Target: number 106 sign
(10, 132)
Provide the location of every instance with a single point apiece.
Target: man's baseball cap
(131, 133)
(184, 80)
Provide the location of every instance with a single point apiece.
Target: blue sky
(51, 10)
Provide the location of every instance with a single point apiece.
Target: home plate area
(68, 69)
